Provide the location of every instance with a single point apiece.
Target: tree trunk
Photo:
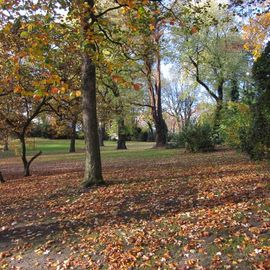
(26, 163)
(93, 170)
(72, 148)
(234, 91)
(161, 132)
(179, 125)
(156, 107)
(101, 134)
(23, 156)
(217, 120)
(6, 148)
(161, 127)
(218, 113)
(150, 135)
(121, 142)
(1, 178)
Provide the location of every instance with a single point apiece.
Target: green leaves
(24, 34)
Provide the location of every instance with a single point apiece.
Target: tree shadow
(145, 206)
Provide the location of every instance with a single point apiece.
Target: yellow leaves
(255, 33)
(7, 28)
(191, 262)
(17, 89)
(54, 79)
(254, 230)
(39, 251)
(24, 34)
(151, 26)
(78, 93)
(106, 52)
(74, 94)
(30, 27)
(124, 10)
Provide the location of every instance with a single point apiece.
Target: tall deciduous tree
(147, 43)
(180, 100)
(211, 49)
(96, 27)
(92, 21)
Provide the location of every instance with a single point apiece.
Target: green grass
(58, 149)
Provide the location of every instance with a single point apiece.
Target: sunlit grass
(58, 150)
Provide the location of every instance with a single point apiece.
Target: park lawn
(53, 150)
(160, 209)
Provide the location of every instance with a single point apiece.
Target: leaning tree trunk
(72, 148)
(121, 142)
(26, 167)
(93, 170)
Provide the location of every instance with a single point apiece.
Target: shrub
(236, 118)
(255, 141)
(177, 140)
(199, 137)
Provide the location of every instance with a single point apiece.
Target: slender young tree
(18, 113)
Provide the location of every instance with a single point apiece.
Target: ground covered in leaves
(178, 211)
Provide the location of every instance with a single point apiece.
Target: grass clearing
(54, 150)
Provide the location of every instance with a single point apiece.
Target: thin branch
(108, 37)
(200, 81)
(142, 105)
(109, 9)
(34, 157)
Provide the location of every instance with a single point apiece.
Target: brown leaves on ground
(192, 211)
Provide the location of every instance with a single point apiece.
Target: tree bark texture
(101, 134)
(1, 178)
(121, 142)
(72, 146)
(6, 148)
(26, 163)
(93, 169)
